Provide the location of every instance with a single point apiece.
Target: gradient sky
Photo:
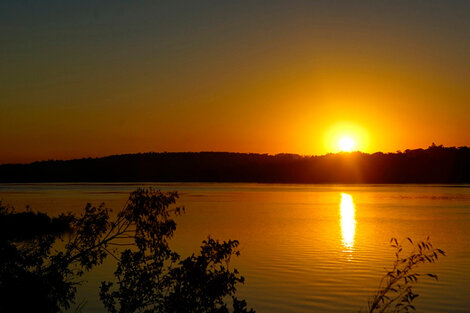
(93, 78)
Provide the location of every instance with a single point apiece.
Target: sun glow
(346, 144)
(347, 137)
(348, 220)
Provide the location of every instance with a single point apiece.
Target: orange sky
(103, 78)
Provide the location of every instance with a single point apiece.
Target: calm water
(305, 248)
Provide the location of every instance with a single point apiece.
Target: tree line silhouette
(436, 164)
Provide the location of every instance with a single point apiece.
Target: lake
(304, 248)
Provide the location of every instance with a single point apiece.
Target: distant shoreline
(434, 165)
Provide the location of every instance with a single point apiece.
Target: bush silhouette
(151, 277)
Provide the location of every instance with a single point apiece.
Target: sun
(346, 144)
(346, 137)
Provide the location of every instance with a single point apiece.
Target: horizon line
(232, 152)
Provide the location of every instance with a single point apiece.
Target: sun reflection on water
(348, 221)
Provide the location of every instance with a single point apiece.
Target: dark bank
(436, 164)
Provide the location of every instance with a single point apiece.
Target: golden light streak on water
(348, 221)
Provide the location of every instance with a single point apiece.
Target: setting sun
(346, 144)
(346, 137)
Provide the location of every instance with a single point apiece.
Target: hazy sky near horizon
(92, 78)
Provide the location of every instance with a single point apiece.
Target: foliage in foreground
(153, 278)
(150, 276)
(395, 292)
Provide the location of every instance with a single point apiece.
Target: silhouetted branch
(395, 292)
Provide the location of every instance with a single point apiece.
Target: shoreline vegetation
(150, 276)
(436, 164)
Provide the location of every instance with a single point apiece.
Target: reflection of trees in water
(150, 277)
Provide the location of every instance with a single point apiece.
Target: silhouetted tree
(152, 278)
(29, 277)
